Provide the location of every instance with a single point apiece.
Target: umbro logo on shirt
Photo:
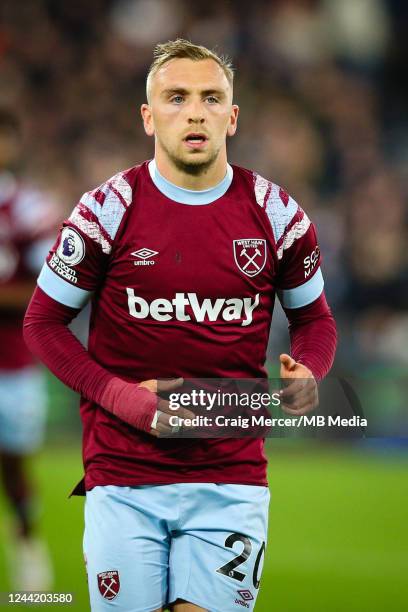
(144, 256)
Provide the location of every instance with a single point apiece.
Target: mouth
(195, 140)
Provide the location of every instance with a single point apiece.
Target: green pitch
(338, 537)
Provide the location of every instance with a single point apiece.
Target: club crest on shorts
(71, 247)
(250, 255)
(109, 584)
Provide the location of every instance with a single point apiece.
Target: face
(190, 113)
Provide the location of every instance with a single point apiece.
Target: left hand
(300, 396)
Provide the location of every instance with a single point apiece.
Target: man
(26, 219)
(181, 257)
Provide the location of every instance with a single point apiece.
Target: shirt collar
(189, 196)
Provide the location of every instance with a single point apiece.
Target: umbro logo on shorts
(109, 584)
(245, 596)
(144, 257)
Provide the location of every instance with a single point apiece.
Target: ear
(233, 122)
(147, 119)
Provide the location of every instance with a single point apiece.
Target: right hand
(163, 407)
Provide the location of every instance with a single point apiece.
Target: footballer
(181, 257)
(28, 221)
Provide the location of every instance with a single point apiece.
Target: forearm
(313, 336)
(48, 337)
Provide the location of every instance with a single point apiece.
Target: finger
(170, 426)
(149, 384)
(184, 413)
(298, 383)
(158, 427)
(169, 384)
(294, 387)
(290, 411)
(301, 411)
(159, 385)
(164, 430)
(297, 393)
(287, 361)
(160, 421)
(300, 397)
(168, 419)
(302, 404)
(161, 429)
(163, 422)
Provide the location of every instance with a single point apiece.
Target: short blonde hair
(181, 48)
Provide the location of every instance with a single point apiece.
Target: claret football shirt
(182, 283)
(27, 220)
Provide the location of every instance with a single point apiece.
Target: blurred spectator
(27, 218)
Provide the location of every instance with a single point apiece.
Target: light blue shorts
(22, 410)
(147, 546)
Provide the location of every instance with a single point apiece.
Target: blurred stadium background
(323, 113)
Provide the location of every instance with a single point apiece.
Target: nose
(196, 119)
(195, 113)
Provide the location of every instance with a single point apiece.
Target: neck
(209, 178)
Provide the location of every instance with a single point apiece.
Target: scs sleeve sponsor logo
(311, 260)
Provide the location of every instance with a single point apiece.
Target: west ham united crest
(109, 584)
(250, 255)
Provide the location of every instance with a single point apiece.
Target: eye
(212, 100)
(177, 99)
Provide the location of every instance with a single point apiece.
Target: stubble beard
(191, 167)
